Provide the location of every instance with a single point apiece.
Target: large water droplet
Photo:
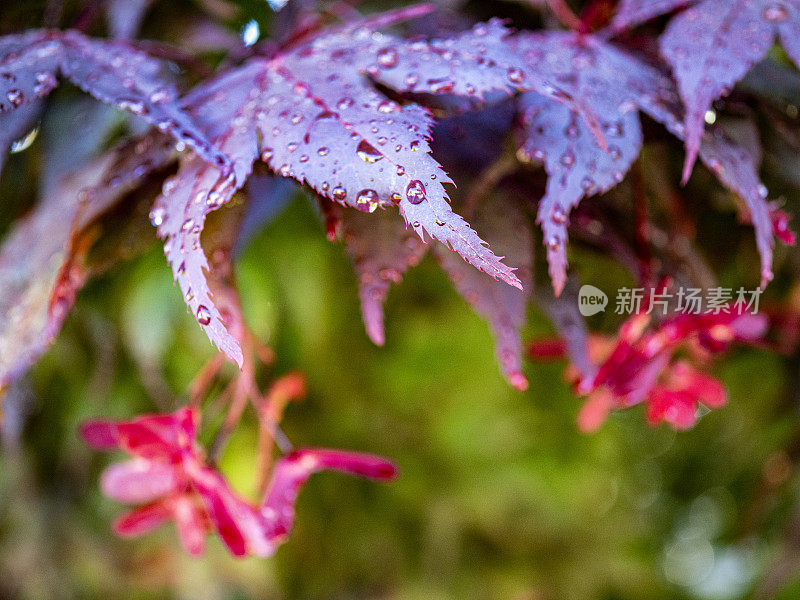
(160, 95)
(158, 216)
(559, 216)
(440, 85)
(137, 107)
(388, 106)
(15, 96)
(367, 200)
(44, 82)
(387, 58)
(368, 153)
(775, 12)
(250, 33)
(339, 193)
(415, 192)
(203, 315)
(516, 75)
(25, 141)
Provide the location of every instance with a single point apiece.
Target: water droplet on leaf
(367, 201)
(368, 153)
(203, 315)
(387, 58)
(415, 192)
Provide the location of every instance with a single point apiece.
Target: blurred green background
(499, 496)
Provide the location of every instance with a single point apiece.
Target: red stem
(564, 13)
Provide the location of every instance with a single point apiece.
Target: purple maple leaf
(563, 311)
(634, 12)
(613, 84)
(112, 72)
(471, 64)
(329, 129)
(504, 307)
(382, 250)
(38, 282)
(737, 168)
(713, 44)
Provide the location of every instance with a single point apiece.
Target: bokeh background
(499, 497)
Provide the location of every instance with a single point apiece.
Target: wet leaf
(504, 307)
(713, 44)
(112, 72)
(382, 249)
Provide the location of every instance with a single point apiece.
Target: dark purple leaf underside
(38, 281)
(382, 249)
(484, 59)
(737, 169)
(575, 163)
(110, 71)
(712, 45)
(563, 311)
(504, 307)
(553, 135)
(634, 12)
(267, 196)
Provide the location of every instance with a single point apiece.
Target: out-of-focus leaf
(112, 72)
(713, 44)
(504, 307)
(38, 281)
(125, 17)
(382, 249)
(634, 12)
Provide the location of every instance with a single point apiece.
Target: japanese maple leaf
(112, 72)
(38, 282)
(332, 130)
(382, 249)
(611, 83)
(504, 307)
(711, 46)
(168, 476)
(615, 84)
(634, 12)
